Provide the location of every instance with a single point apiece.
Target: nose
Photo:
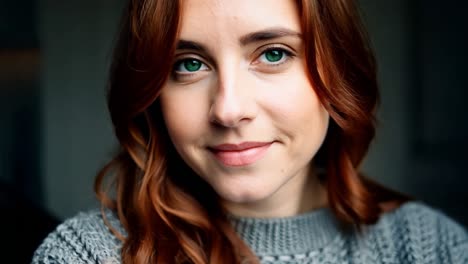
(233, 101)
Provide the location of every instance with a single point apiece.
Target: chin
(243, 195)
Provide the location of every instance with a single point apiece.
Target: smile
(237, 155)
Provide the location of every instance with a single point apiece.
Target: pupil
(274, 55)
(192, 65)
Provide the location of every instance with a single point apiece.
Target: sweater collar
(289, 235)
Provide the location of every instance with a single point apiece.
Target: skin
(226, 89)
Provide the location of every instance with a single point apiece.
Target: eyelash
(288, 55)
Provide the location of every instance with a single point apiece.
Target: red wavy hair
(173, 220)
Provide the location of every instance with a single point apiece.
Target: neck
(302, 193)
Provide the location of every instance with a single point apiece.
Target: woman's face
(239, 107)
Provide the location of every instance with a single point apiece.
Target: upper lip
(240, 146)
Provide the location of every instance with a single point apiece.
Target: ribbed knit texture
(288, 235)
(414, 233)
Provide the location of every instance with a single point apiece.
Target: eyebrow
(268, 34)
(190, 45)
(258, 36)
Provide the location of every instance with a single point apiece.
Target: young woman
(242, 125)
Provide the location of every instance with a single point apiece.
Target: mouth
(238, 155)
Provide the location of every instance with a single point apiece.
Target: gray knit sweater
(414, 233)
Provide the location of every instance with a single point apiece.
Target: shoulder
(84, 238)
(419, 219)
(424, 233)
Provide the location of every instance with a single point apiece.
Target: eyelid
(259, 51)
(190, 55)
(266, 47)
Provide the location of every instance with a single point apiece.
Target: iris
(274, 55)
(191, 65)
(188, 65)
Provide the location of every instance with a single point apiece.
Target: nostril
(232, 104)
(227, 111)
(224, 120)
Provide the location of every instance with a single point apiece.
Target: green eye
(274, 55)
(191, 65)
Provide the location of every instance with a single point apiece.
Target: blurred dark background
(55, 132)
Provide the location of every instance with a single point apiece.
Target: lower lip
(242, 157)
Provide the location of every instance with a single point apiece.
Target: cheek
(294, 102)
(299, 115)
(184, 115)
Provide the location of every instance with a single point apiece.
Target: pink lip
(242, 154)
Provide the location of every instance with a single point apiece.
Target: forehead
(233, 18)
